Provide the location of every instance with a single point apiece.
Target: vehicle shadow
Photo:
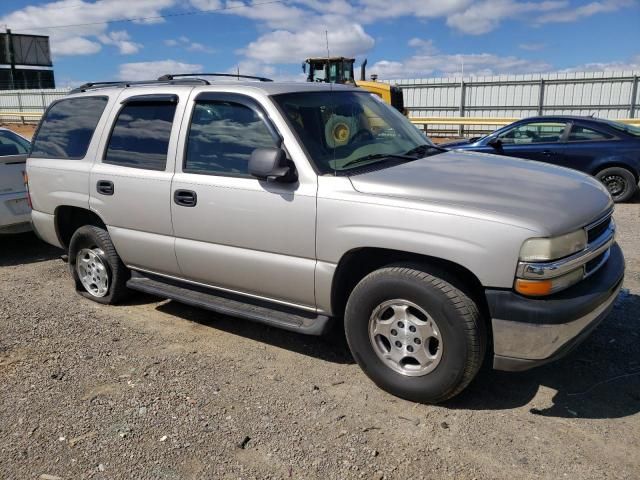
(25, 248)
(331, 347)
(599, 379)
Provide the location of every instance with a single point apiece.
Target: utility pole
(12, 60)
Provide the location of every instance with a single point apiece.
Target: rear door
(131, 183)
(537, 140)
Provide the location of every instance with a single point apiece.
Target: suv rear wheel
(96, 268)
(415, 334)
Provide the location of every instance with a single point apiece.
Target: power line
(156, 17)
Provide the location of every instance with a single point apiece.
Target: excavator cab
(340, 70)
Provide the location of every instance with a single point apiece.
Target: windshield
(630, 129)
(344, 130)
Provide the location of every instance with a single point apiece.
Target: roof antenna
(326, 36)
(238, 71)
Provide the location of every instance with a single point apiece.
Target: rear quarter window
(67, 128)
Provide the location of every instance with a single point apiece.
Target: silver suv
(301, 205)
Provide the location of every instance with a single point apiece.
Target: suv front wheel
(96, 268)
(415, 334)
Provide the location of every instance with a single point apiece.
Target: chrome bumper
(528, 332)
(520, 346)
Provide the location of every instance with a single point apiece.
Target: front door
(232, 230)
(537, 140)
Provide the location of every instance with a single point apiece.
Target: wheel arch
(357, 263)
(69, 218)
(615, 162)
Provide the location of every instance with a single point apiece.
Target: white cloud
(484, 16)
(36, 18)
(373, 10)
(616, 66)
(588, 10)
(76, 46)
(152, 70)
(185, 43)
(206, 4)
(274, 15)
(283, 46)
(423, 46)
(122, 40)
(428, 62)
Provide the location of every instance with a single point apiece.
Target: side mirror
(495, 142)
(272, 165)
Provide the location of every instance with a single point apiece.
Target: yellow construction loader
(340, 70)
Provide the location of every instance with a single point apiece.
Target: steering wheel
(361, 136)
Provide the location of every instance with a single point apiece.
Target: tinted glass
(630, 129)
(12, 144)
(342, 131)
(539, 132)
(584, 134)
(222, 137)
(140, 137)
(67, 128)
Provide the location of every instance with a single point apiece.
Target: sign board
(28, 50)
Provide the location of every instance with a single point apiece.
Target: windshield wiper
(422, 150)
(378, 156)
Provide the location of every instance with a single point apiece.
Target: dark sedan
(608, 150)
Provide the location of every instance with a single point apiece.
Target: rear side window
(222, 136)
(12, 144)
(140, 137)
(584, 134)
(66, 130)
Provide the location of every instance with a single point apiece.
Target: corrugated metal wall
(603, 94)
(28, 101)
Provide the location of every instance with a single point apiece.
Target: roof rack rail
(171, 76)
(97, 85)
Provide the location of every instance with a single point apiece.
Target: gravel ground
(155, 389)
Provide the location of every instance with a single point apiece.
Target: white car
(14, 206)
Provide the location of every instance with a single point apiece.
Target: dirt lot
(155, 389)
(26, 130)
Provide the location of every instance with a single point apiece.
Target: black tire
(620, 182)
(461, 326)
(98, 240)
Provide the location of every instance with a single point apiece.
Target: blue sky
(400, 38)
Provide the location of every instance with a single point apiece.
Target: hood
(547, 199)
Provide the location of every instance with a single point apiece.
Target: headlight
(546, 249)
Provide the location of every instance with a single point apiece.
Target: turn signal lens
(534, 288)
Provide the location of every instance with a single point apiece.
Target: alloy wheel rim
(92, 271)
(405, 337)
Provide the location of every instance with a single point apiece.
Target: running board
(279, 316)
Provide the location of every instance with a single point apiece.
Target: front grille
(594, 232)
(594, 264)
